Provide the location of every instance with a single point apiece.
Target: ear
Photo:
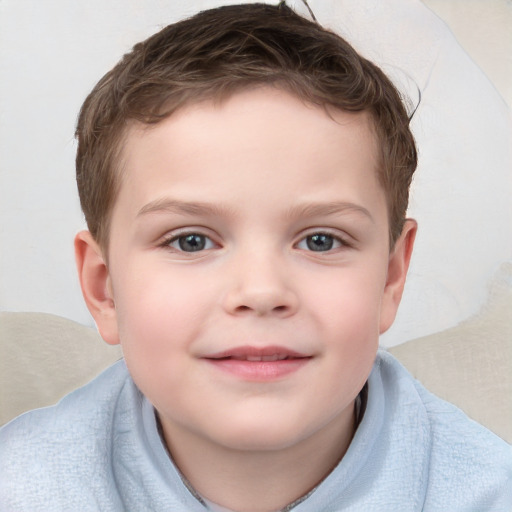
(397, 271)
(96, 285)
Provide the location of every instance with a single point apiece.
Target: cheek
(157, 326)
(157, 312)
(349, 301)
(347, 313)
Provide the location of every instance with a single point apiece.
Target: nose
(261, 285)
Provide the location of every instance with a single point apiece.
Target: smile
(259, 364)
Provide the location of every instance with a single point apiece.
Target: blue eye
(191, 242)
(320, 242)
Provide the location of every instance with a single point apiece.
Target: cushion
(470, 364)
(43, 357)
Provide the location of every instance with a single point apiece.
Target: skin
(259, 179)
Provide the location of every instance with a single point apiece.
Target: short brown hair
(217, 53)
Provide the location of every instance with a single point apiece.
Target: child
(244, 175)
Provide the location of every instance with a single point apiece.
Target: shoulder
(467, 463)
(66, 442)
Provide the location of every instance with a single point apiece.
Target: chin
(261, 443)
(261, 436)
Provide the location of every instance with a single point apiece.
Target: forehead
(262, 141)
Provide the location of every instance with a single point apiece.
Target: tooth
(256, 358)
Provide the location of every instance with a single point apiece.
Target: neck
(259, 480)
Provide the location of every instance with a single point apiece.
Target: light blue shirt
(99, 449)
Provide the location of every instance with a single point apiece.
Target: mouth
(259, 364)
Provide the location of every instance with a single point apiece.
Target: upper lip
(250, 353)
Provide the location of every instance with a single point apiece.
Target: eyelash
(338, 242)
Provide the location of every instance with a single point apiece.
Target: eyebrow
(326, 209)
(167, 205)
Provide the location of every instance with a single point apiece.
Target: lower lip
(259, 371)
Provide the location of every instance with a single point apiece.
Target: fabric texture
(99, 449)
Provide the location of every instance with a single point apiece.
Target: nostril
(260, 303)
(244, 309)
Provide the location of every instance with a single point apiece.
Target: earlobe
(398, 265)
(96, 285)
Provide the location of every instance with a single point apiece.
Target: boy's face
(245, 233)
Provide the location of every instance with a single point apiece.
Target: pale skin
(248, 225)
